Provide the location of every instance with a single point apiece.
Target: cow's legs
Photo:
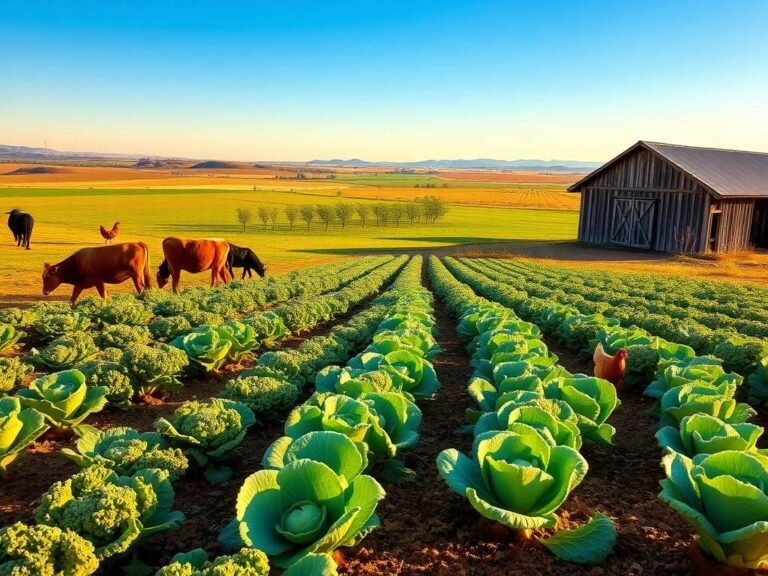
(101, 289)
(214, 275)
(176, 276)
(76, 291)
(138, 283)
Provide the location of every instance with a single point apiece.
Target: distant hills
(42, 155)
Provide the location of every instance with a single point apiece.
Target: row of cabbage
(715, 474)
(733, 328)
(143, 326)
(532, 418)
(63, 399)
(317, 492)
(198, 434)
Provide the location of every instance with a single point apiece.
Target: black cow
(246, 259)
(21, 225)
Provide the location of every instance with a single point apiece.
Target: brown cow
(193, 256)
(94, 267)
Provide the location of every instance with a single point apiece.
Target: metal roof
(725, 173)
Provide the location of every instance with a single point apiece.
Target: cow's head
(163, 273)
(51, 278)
(257, 264)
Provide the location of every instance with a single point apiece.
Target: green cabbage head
(514, 477)
(19, 427)
(705, 434)
(205, 348)
(9, 336)
(724, 498)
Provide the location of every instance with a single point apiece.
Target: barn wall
(735, 225)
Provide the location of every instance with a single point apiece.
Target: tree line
(428, 209)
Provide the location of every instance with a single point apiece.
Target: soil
(426, 528)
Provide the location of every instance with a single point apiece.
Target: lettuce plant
(701, 368)
(112, 512)
(45, 551)
(515, 477)
(207, 432)
(758, 382)
(704, 434)
(126, 451)
(9, 336)
(723, 496)
(12, 373)
(409, 371)
(154, 369)
(64, 398)
(19, 427)
(592, 399)
(205, 348)
(700, 397)
(247, 562)
(65, 351)
(354, 382)
(303, 508)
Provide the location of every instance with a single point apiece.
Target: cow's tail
(147, 273)
(28, 232)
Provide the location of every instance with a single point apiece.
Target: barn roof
(725, 173)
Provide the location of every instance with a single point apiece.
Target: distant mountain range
(48, 154)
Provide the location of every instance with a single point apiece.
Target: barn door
(633, 220)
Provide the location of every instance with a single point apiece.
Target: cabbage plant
(208, 432)
(205, 348)
(354, 382)
(9, 336)
(592, 399)
(241, 337)
(705, 434)
(19, 427)
(64, 398)
(112, 512)
(126, 451)
(704, 398)
(45, 551)
(409, 371)
(723, 496)
(514, 477)
(701, 368)
(304, 508)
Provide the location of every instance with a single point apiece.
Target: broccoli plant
(65, 351)
(126, 451)
(154, 369)
(63, 397)
(125, 309)
(165, 329)
(207, 432)
(19, 427)
(45, 551)
(266, 395)
(247, 562)
(12, 373)
(52, 324)
(113, 512)
(114, 377)
(122, 335)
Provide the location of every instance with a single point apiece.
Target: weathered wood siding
(735, 225)
(680, 212)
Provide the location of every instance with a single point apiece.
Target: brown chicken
(609, 367)
(109, 235)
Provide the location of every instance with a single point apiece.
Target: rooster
(609, 367)
(109, 235)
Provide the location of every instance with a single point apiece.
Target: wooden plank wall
(735, 225)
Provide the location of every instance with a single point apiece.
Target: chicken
(109, 235)
(609, 367)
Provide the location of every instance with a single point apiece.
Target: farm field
(423, 369)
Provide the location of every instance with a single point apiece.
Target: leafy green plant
(154, 369)
(704, 434)
(303, 508)
(741, 355)
(723, 496)
(45, 551)
(269, 326)
(247, 562)
(19, 427)
(700, 368)
(592, 399)
(18, 317)
(266, 395)
(164, 329)
(12, 373)
(9, 336)
(205, 348)
(207, 432)
(241, 337)
(122, 335)
(515, 477)
(112, 512)
(126, 451)
(703, 398)
(125, 309)
(111, 375)
(409, 371)
(52, 324)
(65, 351)
(758, 382)
(63, 397)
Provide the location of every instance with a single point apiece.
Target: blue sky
(382, 80)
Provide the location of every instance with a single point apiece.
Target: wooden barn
(677, 199)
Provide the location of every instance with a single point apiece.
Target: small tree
(344, 212)
(412, 211)
(325, 213)
(307, 214)
(380, 212)
(263, 215)
(244, 216)
(273, 216)
(396, 211)
(363, 211)
(434, 208)
(291, 213)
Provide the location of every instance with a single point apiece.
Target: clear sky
(395, 80)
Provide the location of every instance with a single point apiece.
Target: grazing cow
(94, 267)
(21, 225)
(246, 259)
(193, 256)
